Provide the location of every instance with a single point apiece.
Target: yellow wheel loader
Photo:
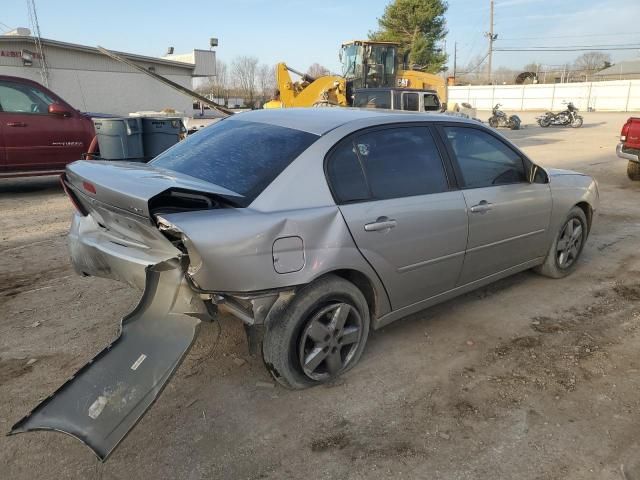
(366, 65)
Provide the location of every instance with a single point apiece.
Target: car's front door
(409, 223)
(34, 139)
(508, 215)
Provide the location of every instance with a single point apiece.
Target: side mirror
(59, 110)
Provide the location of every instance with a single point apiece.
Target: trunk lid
(129, 186)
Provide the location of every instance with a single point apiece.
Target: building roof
(85, 48)
(627, 67)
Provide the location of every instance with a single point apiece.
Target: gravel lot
(529, 378)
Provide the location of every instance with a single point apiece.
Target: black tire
(493, 122)
(544, 122)
(577, 123)
(553, 265)
(514, 123)
(633, 170)
(286, 336)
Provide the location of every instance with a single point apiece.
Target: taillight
(78, 206)
(625, 131)
(89, 187)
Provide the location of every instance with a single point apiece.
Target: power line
(561, 49)
(603, 46)
(573, 36)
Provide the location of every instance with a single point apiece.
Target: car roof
(324, 119)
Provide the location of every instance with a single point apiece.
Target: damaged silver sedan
(310, 226)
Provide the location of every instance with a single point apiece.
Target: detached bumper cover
(104, 400)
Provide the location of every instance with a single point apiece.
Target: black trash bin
(160, 133)
(119, 138)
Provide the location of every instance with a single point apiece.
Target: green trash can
(119, 138)
(160, 133)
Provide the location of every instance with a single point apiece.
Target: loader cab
(398, 99)
(369, 64)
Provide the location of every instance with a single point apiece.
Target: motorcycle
(500, 119)
(568, 117)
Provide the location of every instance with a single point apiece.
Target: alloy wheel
(330, 340)
(569, 243)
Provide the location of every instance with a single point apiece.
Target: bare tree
(219, 85)
(591, 62)
(266, 81)
(316, 70)
(244, 72)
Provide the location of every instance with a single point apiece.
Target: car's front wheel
(567, 246)
(319, 336)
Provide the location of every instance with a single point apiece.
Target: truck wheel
(633, 170)
(320, 335)
(566, 247)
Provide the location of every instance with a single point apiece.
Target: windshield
(351, 61)
(244, 157)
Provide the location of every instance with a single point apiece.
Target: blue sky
(301, 32)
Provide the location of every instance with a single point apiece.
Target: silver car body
(251, 261)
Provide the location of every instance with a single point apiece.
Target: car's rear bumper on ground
(104, 400)
(96, 252)
(627, 155)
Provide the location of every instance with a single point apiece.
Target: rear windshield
(243, 157)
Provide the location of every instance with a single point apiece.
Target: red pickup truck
(629, 147)
(39, 132)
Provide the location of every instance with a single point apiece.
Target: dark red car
(39, 132)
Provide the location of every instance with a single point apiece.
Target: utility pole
(492, 38)
(455, 60)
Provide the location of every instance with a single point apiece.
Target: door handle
(381, 224)
(482, 207)
(16, 124)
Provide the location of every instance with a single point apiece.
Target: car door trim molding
(506, 240)
(415, 266)
(449, 294)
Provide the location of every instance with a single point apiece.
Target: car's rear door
(406, 218)
(508, 214)
(34, 139)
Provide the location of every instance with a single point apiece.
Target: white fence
(613, 96)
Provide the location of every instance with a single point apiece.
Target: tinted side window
(411, 102)
(345, 174)
(401, 162)
(483, 159)
(18, 98)
(431, 102)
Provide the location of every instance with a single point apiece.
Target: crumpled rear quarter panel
(232, 250)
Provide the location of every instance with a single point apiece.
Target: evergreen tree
(418, 25)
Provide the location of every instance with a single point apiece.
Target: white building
(93, 82)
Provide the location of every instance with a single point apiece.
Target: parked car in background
(313, 226)
(629, 147)
(40, 133)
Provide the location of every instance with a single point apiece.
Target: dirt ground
(529, 378)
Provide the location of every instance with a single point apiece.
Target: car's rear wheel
(319, 336)
(633, 170)
(563, 255)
